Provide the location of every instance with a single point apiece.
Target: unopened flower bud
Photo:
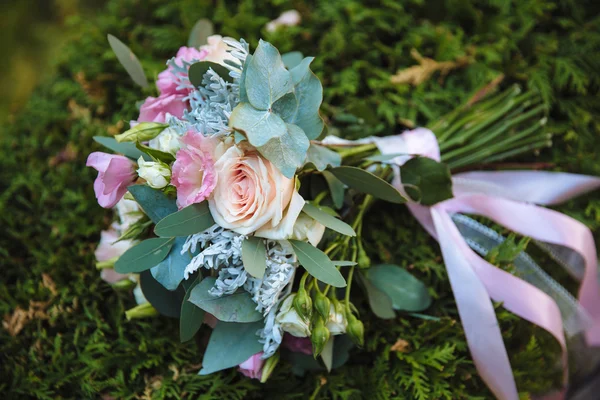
(320, 335)
(322, 304)
(157, 174)
(363, 259)
(269, 367)
(141, 132)
(290, 321)
(303, 304)
(356, 330)
(144, 310)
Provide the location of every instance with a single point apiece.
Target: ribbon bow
(508, 198)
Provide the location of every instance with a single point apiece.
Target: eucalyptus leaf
(197, 71)
(292, 59)
(141, 132)
(317, 263)
(170, 271)
(309, 95)
(230, 344)
(287, 152)
(166, 302)
(254, 256)
(328, 220)
(366, 182)
(199, 34)
(322, 157)
(156, 154)
(156, 204)
(336, 189)
(192, 219)
(266, 79)
(406, 292)
(236, 307)
(191, 316)
(127, 149)
(432, 179)
(144, 255)
(258, 126)
(380, 303)
(243, 93)
(128, 60)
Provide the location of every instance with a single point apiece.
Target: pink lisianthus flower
(297, 344)
(107, 250)
(115, 173)
(168, 80)
(252, 367)
(194, 169)
(155, 109)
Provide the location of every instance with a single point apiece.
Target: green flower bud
(124, 284)
(141, 311)
(107, 264)
(356, 330)
(269, 367)
(142, 132)
(303, 304)
(320, 335)
(363, 259)
(322, 304)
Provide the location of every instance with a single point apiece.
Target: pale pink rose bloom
(253, 366)
(168, 80)
(297, 344)
(194, 169)
(107, 249)
(216, 50)
(115, 173)
(155, 109)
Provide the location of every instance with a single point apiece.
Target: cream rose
(252, 196)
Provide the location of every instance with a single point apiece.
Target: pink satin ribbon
(506, 197)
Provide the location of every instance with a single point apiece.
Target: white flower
(217, 50)
(307, 228)
(157, 174)
(290, 321)
(167, 141)
(129, 213)
(287, 18)
(336, 323)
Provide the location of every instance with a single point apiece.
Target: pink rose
(194, 169)
(115, 173)
(297, 344)
(155, 109)
(252, 195)
(252, 367)
(168, 80)
(107, 250)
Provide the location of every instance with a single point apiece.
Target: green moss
(79, 344)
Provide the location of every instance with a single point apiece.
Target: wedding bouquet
(237, 210)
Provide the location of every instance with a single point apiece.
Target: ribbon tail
(475, 309)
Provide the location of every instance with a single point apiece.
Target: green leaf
(328, 220)
(267, 80)
(385, 157)
(157, 154)
(129, 61)
(254, 256)
(191, 317)
(317, 263)
(166, 302)
(144, 255)
(230, 344)
(127, 149)
(322, 157)
(197, 71)
(193, 219)
(327, 353)
(200, 33)
(170, 271)
(336, 189)
(432, 179)
(156, 204)
(142, 132)
(243, 93)
(380, 303)
(236, 307)
(309, 95)
(406, 292)
(342, 263)
(287, 152)
(292, 59)
(366, 182)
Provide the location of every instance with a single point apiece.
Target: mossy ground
(65, 335)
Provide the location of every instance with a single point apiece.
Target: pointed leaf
(144, 255)
(236, 307)
(309, 95)
(156, 204)
(406, 292)
(328, 220)
(127, 149)
(128, 60)
(166, 302)
(432, 179)
(267, 80)
(317, 263)
(292, 59)
(193, 219)
(200, 33)
(243, 93)
(322, 157)
(380, 303)
(157, 154)
(170, 271)
(254, 256)
(366, 182)
(197, 71)
(230, 345)
(191, 316)
(336, 189)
